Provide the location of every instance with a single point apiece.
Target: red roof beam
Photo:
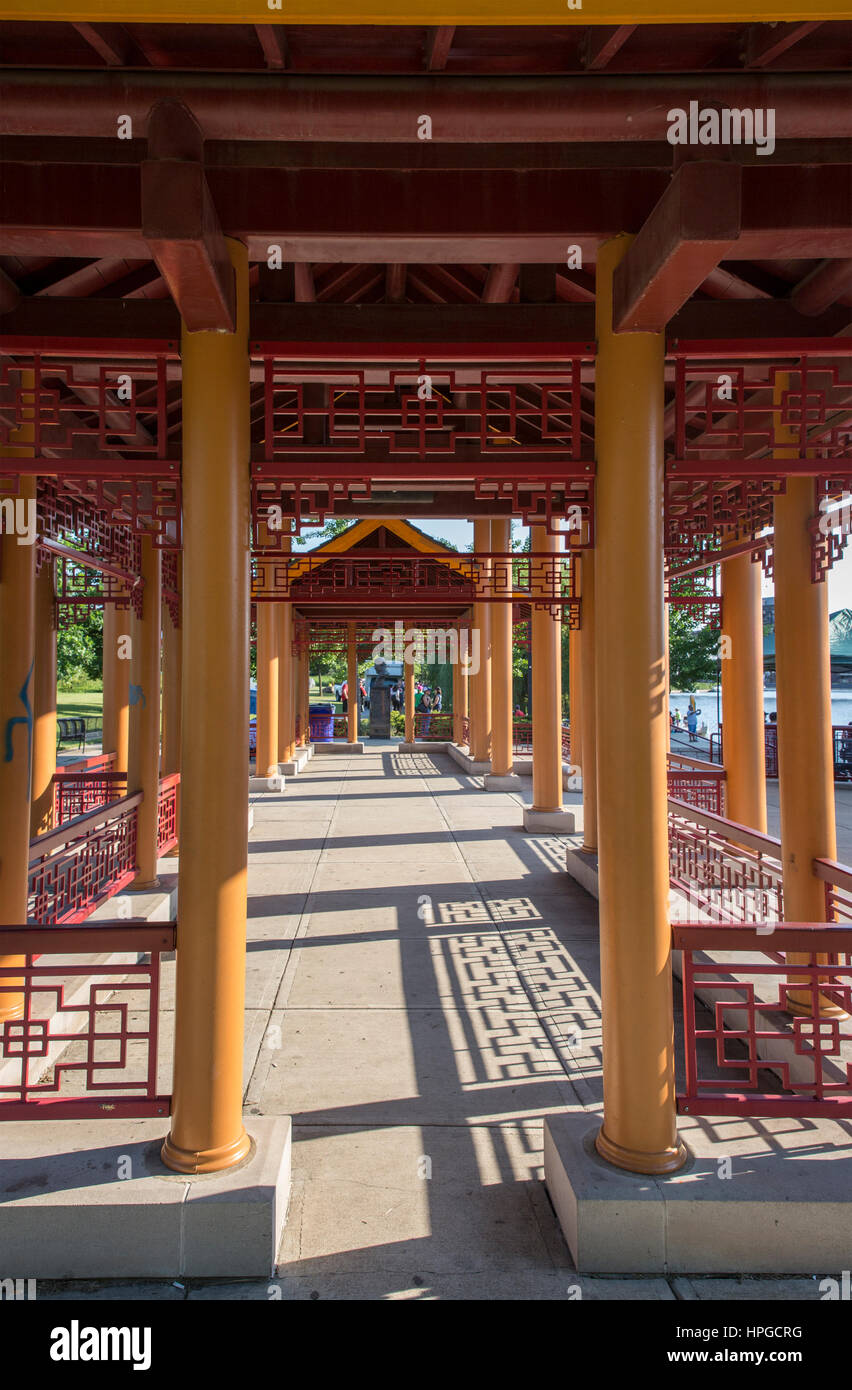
(826, 283)
(766, 42)
(602, 43)
(180, 224)
(464, 110)
(690, 230)
(439, 41)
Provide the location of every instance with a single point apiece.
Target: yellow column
(298, 687)
(44, 703)
(742, 693)
(546, 656)
(306, 695)
(207, 1128)
(459, 702)
(480, 682)
(143, 765)
(501, 655)
(575, 688)
(266, 755)
(286, 702)
(639, 1130)
(117, 645)
(172, 673)
(286, 715)
(588, 698)
(17, 652)
(409, 701)
(352, 680)
(805, 753)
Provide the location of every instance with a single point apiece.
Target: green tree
(693, 650)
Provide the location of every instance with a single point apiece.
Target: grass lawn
(79, 702)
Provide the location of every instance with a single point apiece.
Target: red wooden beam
(304, 286)
(602, 43)
(500, 283)
(109, 41)
(825, 284)
(766, 42)
(180, 224)
(395, 283)
(439, 41)
(464, 110)
(274, 44)
(692, 228)
(461, 332)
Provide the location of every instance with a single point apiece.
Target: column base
(787, 1210)
(549, 822)
(63, 1217)
(206, 1160)
(665, 1161)
(144, 885)
(273, 783)
(502, 782)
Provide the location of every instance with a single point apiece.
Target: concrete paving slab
(429, 1066)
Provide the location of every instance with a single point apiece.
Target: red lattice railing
(726, 870)
(78, 793)
(79, 865)
(167, 813)
(728, 1062)
(838, 889)
(521, 736)
(60, 978)
(696, 784)
(433, 728)
(465, 723)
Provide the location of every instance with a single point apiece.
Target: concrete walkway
(421, 990)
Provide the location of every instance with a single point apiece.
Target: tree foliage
(693, 651)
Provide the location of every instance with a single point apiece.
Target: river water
(841, 706)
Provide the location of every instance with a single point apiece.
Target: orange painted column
(501, 654)
(805, 752)
(480, 681)
(588, 699)
(143, 763)
(172, 680)
(742, 693)
(352, 680)
(117, 646)
(639, 1130)
(44, 703)
(17, 653)
(306, 695)
(298, 700)
(409, 701)
(286, 706)
(575, 686)
(546, 656)
(207, 1131)
(286, 665)
(459, 702)
(266, 751)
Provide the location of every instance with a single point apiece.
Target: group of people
(691, 721)
(344, 696)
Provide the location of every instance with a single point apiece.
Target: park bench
(71, 730)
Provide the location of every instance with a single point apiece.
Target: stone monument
(380, 701)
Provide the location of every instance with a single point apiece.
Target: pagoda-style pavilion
(257, 271)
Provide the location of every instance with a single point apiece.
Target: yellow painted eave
(430, 12)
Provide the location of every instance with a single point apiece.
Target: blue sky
(460, 534)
